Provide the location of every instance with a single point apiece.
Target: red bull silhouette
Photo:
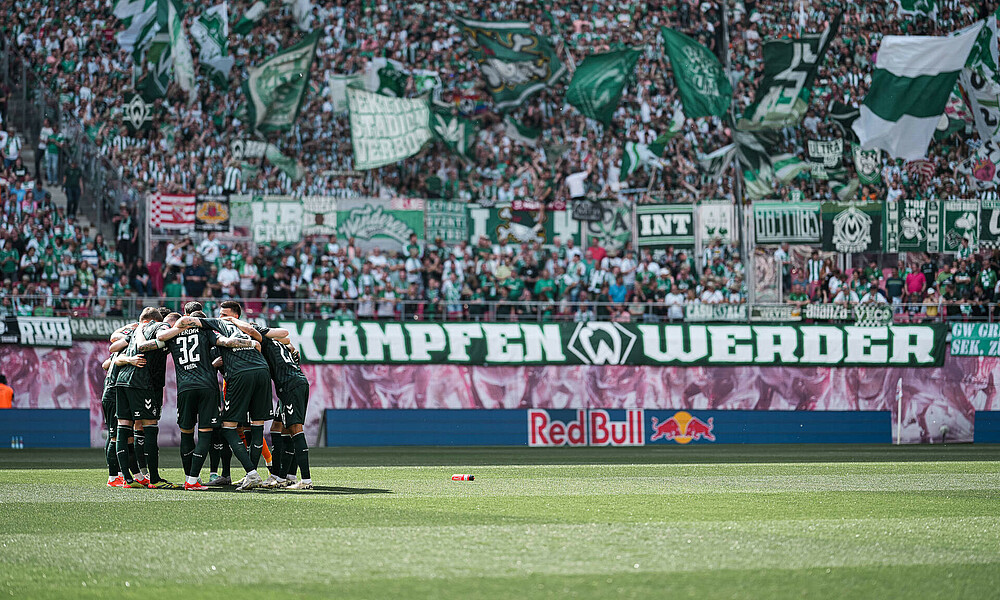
(698, 429)
(682, 428)
(668, 429)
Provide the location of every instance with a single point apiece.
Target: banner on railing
(387, 223)
(276, 219)
(96, 328)
(715, 312)
(447, 220)
(662, 225)
(211, 213)
(602, 343)
(880, 314)
(850, 228)
(975, 339)
(792, 222)
(36, 331)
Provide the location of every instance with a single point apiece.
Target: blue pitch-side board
(637, 427)
(987, 427)
(46, 428)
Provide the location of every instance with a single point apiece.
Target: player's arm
(247, 328)
(106, 364)
(234, 342)
(169, 333)
(118, 345)
(291, 347)
(217, 363)
(122, 332)
(138, 361)
(188, 321)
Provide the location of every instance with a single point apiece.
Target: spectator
(72, 182)
(6, 393)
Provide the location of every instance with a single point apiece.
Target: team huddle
(249, 356)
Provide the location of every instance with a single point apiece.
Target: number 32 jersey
(193, 352)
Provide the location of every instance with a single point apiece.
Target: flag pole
(741, 229)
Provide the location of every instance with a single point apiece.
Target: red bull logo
(605, 432)
(585, 428)
(682, 428)
(543, 430)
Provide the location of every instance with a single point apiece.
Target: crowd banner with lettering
(775, 313)
(382, 222)
(446, 220)
(276, 219)
(825, 157)
(906, 226)
(975, 339)
(96, 328)
(504, 222)
(587, 210)
(603, 343)
(989, 224)
(852, 228)
(715, 312)
(792, 222)
(880, 314)
(36, 331)
(612, 230)
(211, 213)
(319, 215)
(959, 219)
(662, 225)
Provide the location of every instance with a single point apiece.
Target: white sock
(307, 481)
(110, 478)
(291, 478)
(254, 472)
(192, 480)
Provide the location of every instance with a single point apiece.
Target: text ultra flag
(913, 78)
(386, 130)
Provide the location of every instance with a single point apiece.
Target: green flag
(715, 163)
(251, 17)
(386, 130)
(515, 61)
(521, 134)
(649, 155)
(457, 133)
(180, 49)
(276, 88)
(289, 166)
(211, 32)
(596, 88)
(923, 8)
(155, 77)
(701, 82)
(140, 25)
(867, 164)
(762, 164)
(790, 66)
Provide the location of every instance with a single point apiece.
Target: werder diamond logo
(852, 231)
(602, 343)
(138, 113)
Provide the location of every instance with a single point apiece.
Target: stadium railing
(522, 311)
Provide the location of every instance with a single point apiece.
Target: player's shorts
(247, 392)
(135, 404)
(198, 406)
(293, 404)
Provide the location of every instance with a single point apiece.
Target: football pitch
(680, 522)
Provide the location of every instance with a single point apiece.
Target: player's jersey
(150, 377)
(193, 352)
(110, 377)
(285, 370)
(236, 360)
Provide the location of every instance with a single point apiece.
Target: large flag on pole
(515, 61)
(913, 78)
(180, 49)
(139, 17)
(211, 32)
(276, 88)
(789, 69)
(251, 17)
(456, 132)
(596, 88)
(701, 82)
(386, 130)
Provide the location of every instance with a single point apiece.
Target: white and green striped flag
(211, 32)
(787, 166)
(180, 49)
(924, 8)
(716, 162)
(140, 27)
(914, 76)
(844, 190)
(251, 17)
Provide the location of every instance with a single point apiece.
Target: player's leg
(214, 454)
(235, 405)
(258, 393)
(277, 476)
(208, 420)
(110, 449)
(187, 416)
(139, 448)
(152, 406)
(123, 410)
(299, 400)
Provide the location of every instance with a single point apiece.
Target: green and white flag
(787, 166)
(703, 86)
(515, 61)
(211, 32)
(302, 13)
(276, 88)
(289, 166)
(985, 56)
(596, 88)
(913, 78)
(867, 164)
(337, 88)
(715, 163)
(251, 17)
(386, 130)
(649, 155)
(762, 164)
(844, 190)
(427, 82)
(983, 95)
(180, 49)
(155, 77)
(457, 133)
(520, 134)
(386, 76)
(789, 69)
(923, 8)
(140, 27)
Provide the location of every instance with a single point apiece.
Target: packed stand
(75, 51)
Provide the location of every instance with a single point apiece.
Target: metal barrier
(521, 311)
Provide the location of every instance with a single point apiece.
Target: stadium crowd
(49, 265)
(73, 48)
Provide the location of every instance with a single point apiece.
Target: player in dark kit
(140, 396)
(292, 388)
(193, 351)
(247, 389)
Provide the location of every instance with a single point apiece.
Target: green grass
(698, 522)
